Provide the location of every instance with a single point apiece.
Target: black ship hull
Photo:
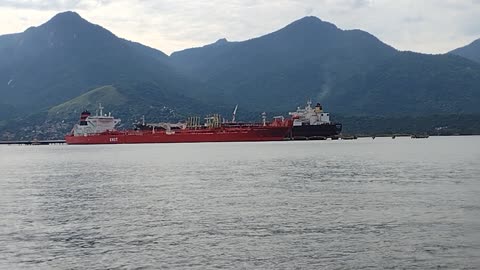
(331, 130)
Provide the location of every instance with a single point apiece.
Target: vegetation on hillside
(51, 72)
(411, 84)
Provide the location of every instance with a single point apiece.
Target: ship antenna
(143, 120)
(100, 108)
(234, 113)
(309, 103)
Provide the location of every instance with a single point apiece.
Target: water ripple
(365, 204)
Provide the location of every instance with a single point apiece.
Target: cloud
(360, 3)
(414, 19)
(52, 4)
(431, 26)
(309, 10)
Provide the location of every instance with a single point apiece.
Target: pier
(33, 142)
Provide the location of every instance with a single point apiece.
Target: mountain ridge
(470, 51)
(309, 47)
(69, 61)
(67, 56)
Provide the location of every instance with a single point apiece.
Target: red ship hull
(223, 134)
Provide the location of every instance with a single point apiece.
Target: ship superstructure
(310, 123)
(99, 123)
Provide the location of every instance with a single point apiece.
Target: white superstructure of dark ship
(313, 123)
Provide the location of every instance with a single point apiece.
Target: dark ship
(313, 123)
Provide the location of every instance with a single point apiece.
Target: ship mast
(234, 113)
(100, 107)
(309, 104)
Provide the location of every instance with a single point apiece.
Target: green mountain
(68, 56)
(351, 71)
(471, 51)
(49, 73)
(108, 94)
(130, 101)
(411, 84)
(284, 68)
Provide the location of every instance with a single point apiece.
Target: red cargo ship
(100, 129)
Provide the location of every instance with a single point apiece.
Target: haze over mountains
(68, 64)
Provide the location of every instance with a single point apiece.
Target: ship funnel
(84, 115)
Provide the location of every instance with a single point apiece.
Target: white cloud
(52, 4)
(427, 26)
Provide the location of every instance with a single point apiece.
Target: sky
(428, 26)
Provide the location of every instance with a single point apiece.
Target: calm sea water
(383, 203)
